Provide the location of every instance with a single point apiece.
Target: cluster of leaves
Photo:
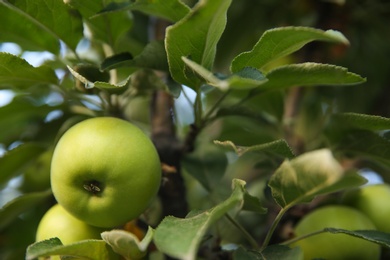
(244, 103)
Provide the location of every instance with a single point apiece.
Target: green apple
(374, 201)
(336, 246)
(37, 176)
(105, 171)
(57, 222)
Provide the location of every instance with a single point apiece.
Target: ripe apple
(57, 222)
(336, 246)
(105, 171)
(372, 200)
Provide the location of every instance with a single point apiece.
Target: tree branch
(172, 192)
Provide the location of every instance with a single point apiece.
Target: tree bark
(172, 191)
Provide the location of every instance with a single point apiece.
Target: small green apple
(374, 201)
(37, 176)
(105, 171)
(336, 246)
(57, 222)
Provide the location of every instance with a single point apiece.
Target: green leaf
(360, 135)
(117, 60)
(172, 10)
(44, 245)
(92, 72)
(127, 244)
(253, 204)
(360, 121)
(16, 72)
(18, 117)
(153, 56)
(19, 29)
(374, 236)
(278, 147)
(180, 238)
(63, 23)
(108, 27)
(274, 252)
(279, 42)
(89, 249)
(97, 84)
(207, 166)
(310, 74)
(244, 80)
(16, 159)
(311, 174)
(195, 36)
(366, 144)
(21, 204)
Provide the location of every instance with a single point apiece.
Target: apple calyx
(93, 187)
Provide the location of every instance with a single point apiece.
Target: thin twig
(247, 236)
(272, 228)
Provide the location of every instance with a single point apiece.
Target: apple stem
(93, 186)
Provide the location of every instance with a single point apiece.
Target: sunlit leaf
(21, 204)
(54, 17)
(97, 84)
(279, 42)
(310, 74)
(180, 238)
(311, 174)
(14, 25)
(127, 244)
(89, 249)
(195, 36)
(16, 72)
(105, 85)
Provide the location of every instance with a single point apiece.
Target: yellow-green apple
(336, 246)
(105, 171)
(374, 201)
(57, 222)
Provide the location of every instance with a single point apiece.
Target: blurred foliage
(116, 49)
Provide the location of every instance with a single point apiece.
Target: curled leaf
(127, 244)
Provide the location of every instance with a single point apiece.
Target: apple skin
(105, 171)
(374, 201)
(57, 222)
(336, 246)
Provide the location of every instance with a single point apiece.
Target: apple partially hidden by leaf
(105, 171)
(372, 200)
(57, 222)
(335, 246)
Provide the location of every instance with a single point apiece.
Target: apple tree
(261, 112)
